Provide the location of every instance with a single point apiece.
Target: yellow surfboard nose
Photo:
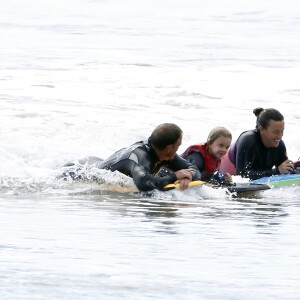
(177, 186)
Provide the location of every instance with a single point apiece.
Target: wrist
(275, 171)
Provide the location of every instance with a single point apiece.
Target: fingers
(184, 184)
(227, 177)
(290, 166)
(286, 167)
(181, 174)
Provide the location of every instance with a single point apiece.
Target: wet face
(219, 147)
(272, 135)
(171, 150)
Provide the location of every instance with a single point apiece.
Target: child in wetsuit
(207, 157)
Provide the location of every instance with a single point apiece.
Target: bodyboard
(237, 187)
(246, 187)
(172, 186)
(279, 180)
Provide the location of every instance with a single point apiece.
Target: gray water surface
(88, 77)
(110, 246)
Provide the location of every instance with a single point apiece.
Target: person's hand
(296, 167)
(227, 178)
(286, 167)
(184, 174)
(183, 183)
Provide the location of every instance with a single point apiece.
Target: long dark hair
(265, 115)
(165, 134)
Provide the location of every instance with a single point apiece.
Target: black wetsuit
(140, 162)
(196, 159)
(252, 159)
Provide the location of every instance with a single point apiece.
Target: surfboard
(279, 180)
(232, 188)
(172, 186)
(246, 187)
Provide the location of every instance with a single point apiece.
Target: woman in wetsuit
(259, 152)
(207, 156)
(152, 164)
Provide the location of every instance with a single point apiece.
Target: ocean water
(85, 78)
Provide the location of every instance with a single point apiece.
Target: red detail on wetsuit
(296, 164)
(210, 163)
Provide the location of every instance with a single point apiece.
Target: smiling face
(219, 147)
(272, 135)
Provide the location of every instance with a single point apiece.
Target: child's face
(219, 147)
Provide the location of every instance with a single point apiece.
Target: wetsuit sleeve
(147, 182)
(255, 174)
(196, 159)
(138, 164)
(281, 155)
(179, 163)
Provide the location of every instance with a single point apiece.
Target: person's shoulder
(281, 145)
(141, 146)
(249, 134)
(143, 149)
(178, 157)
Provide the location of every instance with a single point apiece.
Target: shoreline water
(86, 78)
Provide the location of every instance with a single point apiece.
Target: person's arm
(296, 168)
(147, 182)
(138, 165)
(196, 159)
(282, 165)
(178, 163)
(255, 174)
(221, 178)
(179, 169)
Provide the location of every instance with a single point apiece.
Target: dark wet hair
(165, 134)
(265, 115)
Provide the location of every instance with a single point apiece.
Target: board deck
(246, 187)
(172, 186)
(237, 187)
(279, 180)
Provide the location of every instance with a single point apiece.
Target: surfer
(154, 163)
(260, 152)
(207, 156)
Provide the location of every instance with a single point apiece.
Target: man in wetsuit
(152, 164)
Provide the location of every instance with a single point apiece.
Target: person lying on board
(207, 156)
(260, 152)
(145, 160)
